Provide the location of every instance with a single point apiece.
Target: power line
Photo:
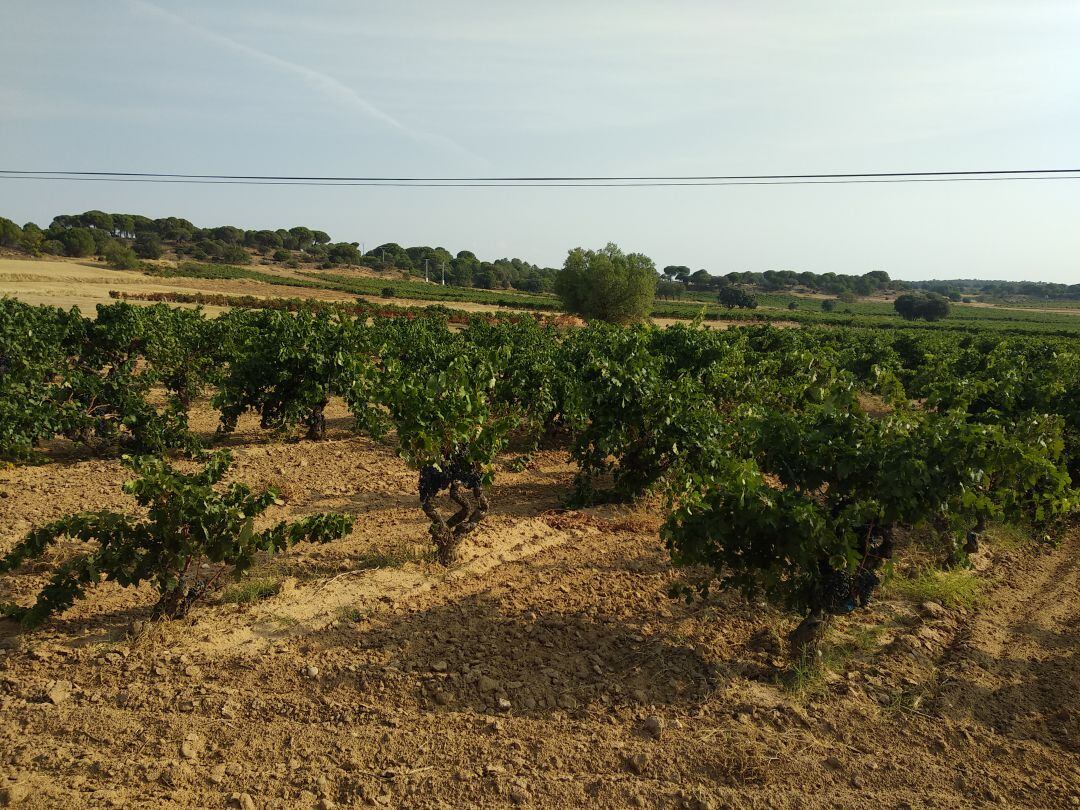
(480, 184)
(546, 179)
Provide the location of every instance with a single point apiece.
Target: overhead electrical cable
(835, 178)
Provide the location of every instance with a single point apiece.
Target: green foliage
(77, 242)
(446, 410)
(928, 306)
(184, 522)
(10, 233)
(637, 418)
(120, 257)
(607, 284)
(91, 381)
(670, 290)
(35, 346)
(148, 246)
(286, 367)
(732, 297)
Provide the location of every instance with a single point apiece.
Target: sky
(336, 87)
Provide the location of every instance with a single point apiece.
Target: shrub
(234, 254)
(928, 306)
(77, 242)
(148, 245)
(732, 297)
(120, 257)
(187, 524)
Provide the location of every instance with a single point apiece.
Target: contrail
(328, 85)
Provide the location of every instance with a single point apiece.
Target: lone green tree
(928, 306)
(732, 297)
(607, 284)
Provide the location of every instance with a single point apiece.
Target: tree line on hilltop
(125, 239)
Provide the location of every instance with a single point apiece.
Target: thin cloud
(327, 85)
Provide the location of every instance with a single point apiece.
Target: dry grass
(958, 587)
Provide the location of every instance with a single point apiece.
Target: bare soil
(547, 668)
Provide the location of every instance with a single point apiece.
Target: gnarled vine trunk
(316, 422)
(447, 533)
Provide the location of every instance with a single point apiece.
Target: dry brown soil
(67, 282)
(547, 668)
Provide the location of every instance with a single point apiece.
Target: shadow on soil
(1038, 701)
(474, 653)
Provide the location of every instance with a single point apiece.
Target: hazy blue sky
(512, 88)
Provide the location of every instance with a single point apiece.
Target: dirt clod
(58, 692)
(933, 610)
(13, 795)
(635, 763)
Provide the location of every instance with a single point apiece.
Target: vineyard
(803, 475)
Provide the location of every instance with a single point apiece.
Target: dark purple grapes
(433, 481)
(843, 592)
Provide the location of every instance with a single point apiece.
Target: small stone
(486, 684)
(137, 627)
(635, 763)
(58, 691)
(834, 763)
(323, 785)
(504, 704)
(653, 726)
(228, 712)
(311, 671)
(568, 702)
(217, 774)
(443, 698)
(326, 804)
(439, 666)
(243, 801)
(191, 747)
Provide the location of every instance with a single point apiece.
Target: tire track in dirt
(1016, 667)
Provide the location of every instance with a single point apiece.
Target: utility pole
(444, 274)
(426, 270)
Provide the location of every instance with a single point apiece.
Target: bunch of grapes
(842, 591)
(433, 480)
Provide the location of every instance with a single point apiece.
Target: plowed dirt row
(547, 668)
